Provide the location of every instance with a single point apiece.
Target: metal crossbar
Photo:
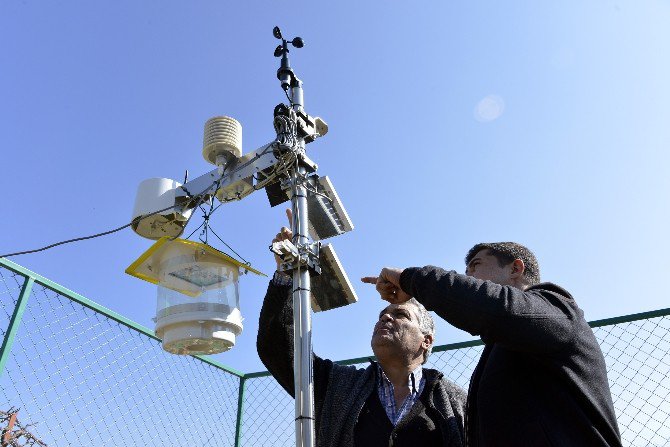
(82, 375)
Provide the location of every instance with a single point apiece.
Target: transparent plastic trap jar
(197, 309)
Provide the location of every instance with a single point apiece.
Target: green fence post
(15, 321)
(240, 408)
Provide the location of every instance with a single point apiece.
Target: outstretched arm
(541, 319)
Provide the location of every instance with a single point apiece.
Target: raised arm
(540, 319)
(275, 332)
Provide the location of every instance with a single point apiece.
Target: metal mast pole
(302, 318)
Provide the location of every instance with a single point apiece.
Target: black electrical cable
(84, 237)
(105, 233)
(207, 227)
(193, 232)
(229, 247)
(313, 191)
(290, 101)
(199, 197)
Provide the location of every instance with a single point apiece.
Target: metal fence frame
(31, 279)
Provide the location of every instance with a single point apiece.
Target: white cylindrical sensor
(156, 194)
(223, 137)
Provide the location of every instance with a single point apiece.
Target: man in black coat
(393, 402)
(541, 380)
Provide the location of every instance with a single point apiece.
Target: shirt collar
(413, 380)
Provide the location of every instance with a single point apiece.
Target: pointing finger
(289, 216)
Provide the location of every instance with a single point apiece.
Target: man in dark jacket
(394, 402)
(541, 380)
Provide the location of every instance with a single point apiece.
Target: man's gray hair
(426, 324)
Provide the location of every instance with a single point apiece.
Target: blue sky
(450, 123)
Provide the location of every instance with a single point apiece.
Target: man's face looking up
(397, 332)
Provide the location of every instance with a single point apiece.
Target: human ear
(427, 341)
(518, 268)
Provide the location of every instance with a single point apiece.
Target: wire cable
(314, 191)
(193, 232)
(229, 247)
(290, 101)
(84, 237)
(199, 196)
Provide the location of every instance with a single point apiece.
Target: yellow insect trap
(197, 310)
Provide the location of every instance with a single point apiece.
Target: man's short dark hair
(507, 252)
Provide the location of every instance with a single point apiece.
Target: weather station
(198, 303)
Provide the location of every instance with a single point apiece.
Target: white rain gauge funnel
(197, 309)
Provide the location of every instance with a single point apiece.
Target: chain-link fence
(636, 349)
(637, 353)
(85, 376)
